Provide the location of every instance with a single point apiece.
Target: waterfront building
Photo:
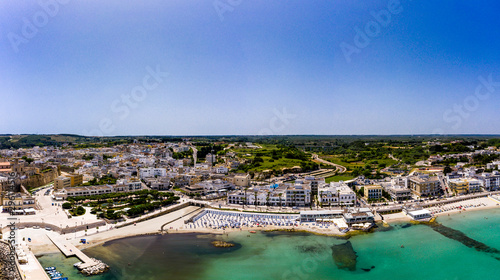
(361, 215)
(315, 183)
(312, 216)
(464, 186)
(419, 214)
(425, 185)
(328, 196)
(298, 195)
(399, 193)
(490, 181)
(373, 192)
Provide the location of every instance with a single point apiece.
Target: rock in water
(222, 244)
(344, 256)
(464, 239)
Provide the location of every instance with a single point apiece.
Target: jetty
(88, 266)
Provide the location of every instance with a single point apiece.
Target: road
(340, 168)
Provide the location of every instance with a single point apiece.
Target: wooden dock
(69, 250)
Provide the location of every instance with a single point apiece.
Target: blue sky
(249, 67)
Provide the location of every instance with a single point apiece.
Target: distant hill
(16, 141)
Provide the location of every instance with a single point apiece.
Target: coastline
(177, 227)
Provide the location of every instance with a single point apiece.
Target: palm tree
(245, 198)
(321, 201)
(255, 196)
(338, 197)
(280, 194)
(267, 199)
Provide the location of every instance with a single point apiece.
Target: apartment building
(62, 182)
(152, 172)
(66, 181)
(399, 193)
(373, 191)
(490, 181)
(465, 185)
(425, 185)
(315, 183)
(335, 194)
(298, 195)
(16, 201)
(75, 179)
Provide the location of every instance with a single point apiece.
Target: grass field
(265, 153)
(361, 164)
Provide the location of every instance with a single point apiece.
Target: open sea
(464, 246)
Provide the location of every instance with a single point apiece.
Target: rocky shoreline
(8, 269)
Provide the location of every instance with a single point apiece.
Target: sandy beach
(482, 203)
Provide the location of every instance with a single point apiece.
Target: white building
(221, 170)
(298, 195)
(491, 181)
(474, 185)
(336, 193)
(152, 172)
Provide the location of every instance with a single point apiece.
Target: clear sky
(249, 67)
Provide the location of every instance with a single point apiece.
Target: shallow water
(426, 254)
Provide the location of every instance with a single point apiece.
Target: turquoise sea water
(427, 254)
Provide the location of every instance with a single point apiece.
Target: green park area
(115, 205)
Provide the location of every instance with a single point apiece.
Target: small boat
(50, 268)
(253, 231)
(77, 264)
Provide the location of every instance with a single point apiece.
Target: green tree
(446, 170)
(67, 205)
